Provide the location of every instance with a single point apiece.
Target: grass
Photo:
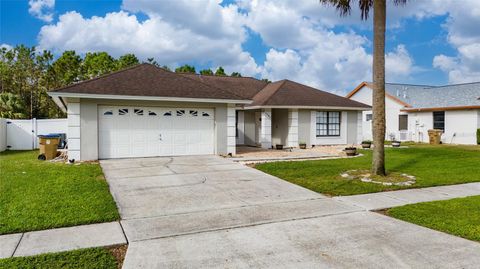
(431, 165)
(460, 217)
(83, 258)
(37, 195)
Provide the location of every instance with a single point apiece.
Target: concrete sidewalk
(383, 200)
(61, 239)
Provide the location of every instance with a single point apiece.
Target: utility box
(48, 146)
(435, 136)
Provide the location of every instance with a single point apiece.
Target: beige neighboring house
(146, 111)
(412, 110)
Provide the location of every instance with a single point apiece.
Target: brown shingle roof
(246, 87)
(289, 93)
(149, 80)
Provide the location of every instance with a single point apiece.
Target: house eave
(429, 109)
(309, 107)
(56, 95)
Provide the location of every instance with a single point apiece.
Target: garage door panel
(127, 131)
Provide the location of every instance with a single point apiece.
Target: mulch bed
(119, 253)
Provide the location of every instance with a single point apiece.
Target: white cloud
(463, 34)
(162, 36)
(42, 9)
(398, 63)
(302, 45)
(6, 46)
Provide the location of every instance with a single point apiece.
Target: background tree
(127, 60)
(220, 72)
(26, 76)
(185, 69)
(152, 61)
(378, 67)
(206, 72)
(166, 68)
(66, 70)
(96, 64)
(11, 106)
(236, 74)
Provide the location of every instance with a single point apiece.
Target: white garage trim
(138, 131)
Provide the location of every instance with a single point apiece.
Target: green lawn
(432, 166)
(37, 195)
(84, 258)
(460, 217)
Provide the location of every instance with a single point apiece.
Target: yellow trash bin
(48, 146)
(435, 136)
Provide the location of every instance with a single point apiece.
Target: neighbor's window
(328, 123)
(138, 112)
(439, 120)
(402, 122)
(368, 117)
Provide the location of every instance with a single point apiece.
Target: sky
(433, 42)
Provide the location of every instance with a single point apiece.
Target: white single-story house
(412, 110)
(146, 111)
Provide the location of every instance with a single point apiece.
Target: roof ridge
(226, 76)
(201, 81)
(409, 84)
(102, 76)
(274, 91)
(457, 84)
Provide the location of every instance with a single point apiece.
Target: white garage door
(126, 131)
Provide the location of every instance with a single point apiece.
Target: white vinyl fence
(22, 134)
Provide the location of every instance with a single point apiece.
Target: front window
(439, 120)
(328, 123)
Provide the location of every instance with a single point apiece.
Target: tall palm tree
(379, 24)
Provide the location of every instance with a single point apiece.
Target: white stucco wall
(392, 110)
(418, 124)
(73, 130)
(304, 127)
(460, 126)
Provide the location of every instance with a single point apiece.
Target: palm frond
(344, 6)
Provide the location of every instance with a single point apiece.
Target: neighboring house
(412, 110)
(148, 111)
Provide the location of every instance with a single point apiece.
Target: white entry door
(126, 131)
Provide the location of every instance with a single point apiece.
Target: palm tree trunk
(378, 126)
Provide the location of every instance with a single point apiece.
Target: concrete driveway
(208, 212)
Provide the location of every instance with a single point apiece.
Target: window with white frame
(328, 123)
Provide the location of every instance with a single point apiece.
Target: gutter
(145, 98)
(427, 109)
(311, 107)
